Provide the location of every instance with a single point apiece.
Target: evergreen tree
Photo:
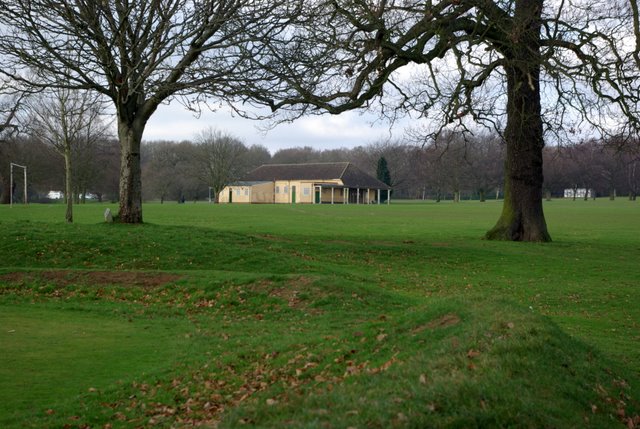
(383, 174)
(382, 171)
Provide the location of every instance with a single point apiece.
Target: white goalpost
(11, 183)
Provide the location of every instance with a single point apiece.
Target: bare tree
(296, 155)
(465, 62)
(10, 103)
(138, 54)
(44, 174)
(256, 156)
(167, 169)
(220, 159)
(485, 155)
(70, 121)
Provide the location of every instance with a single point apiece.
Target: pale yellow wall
(241, 194)
(223, 196)
(262, 193)
(305, 191)
(281, 192)
(338, 195)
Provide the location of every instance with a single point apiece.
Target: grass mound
(241, 322)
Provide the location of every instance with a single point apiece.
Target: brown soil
(441, 322)
(93, 278)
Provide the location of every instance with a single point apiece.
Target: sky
(350, 129)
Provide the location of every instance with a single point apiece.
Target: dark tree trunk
(6, 195)
(522, 218)
(130, 136)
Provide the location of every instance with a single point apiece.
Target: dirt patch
(93, 278)
(272, 237)
(12, 277)
(445, 321)
(290, 292)
(342, 242)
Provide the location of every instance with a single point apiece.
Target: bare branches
(147, 50)
(11, 101)
(446, 61)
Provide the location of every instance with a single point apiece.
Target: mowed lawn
(319, 316)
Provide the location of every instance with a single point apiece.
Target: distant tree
(383, 174)
(138, 54)
(296, 155)
(167, 168)
(255, 156)
(633, 177)
(45, 172)
(554, 172)
(220, 159)
(382, 171)
(105, 178)
(70, 121)
(486, 165)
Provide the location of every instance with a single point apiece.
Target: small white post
(332, 189)
(378, 196)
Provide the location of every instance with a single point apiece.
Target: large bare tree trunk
(522, 218)
(130, 135)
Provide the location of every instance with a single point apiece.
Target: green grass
(319, 316)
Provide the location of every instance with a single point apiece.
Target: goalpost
(11, 183)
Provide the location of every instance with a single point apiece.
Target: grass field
(319, 316)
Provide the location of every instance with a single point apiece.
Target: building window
(246, 192)
(238, 192)
(306, 191)
(286, 189)
(277, 189)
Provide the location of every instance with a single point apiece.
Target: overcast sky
(350, 129)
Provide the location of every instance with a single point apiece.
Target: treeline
(95, 173)
(452, 168)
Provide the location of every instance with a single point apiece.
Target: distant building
(579, 193)
(314, 183)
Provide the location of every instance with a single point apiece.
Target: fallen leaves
(444, 321)
(473, 353)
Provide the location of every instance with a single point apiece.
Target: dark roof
(248, 183)
(350, 175)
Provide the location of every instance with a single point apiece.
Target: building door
(293, 194)
(230, 195)
(318, 201)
